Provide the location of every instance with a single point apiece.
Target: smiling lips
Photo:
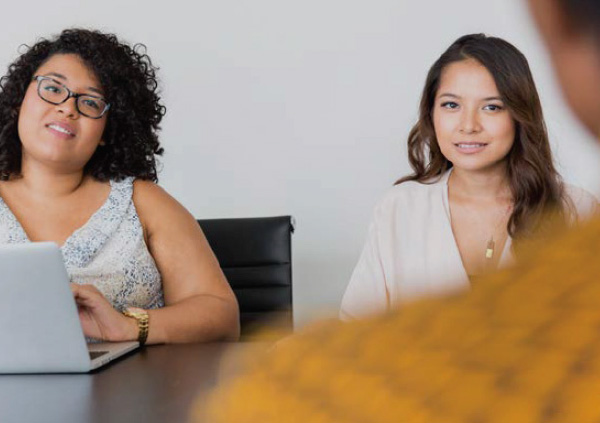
(61, 129)
(470, 147)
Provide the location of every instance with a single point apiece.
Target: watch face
(138, 312)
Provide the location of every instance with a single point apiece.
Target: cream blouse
(411, 252)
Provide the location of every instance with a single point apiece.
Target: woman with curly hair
(79, 116)
(483, 177)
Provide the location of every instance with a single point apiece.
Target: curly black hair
(128, 79)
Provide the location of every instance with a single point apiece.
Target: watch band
(143, 321)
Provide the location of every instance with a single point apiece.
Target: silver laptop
(39, 325)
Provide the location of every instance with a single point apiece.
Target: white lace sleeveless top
(108, 251)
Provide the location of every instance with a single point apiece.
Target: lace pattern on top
(108, 251)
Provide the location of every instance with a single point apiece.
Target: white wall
(280, 107)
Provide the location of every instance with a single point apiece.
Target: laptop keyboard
(96, 354)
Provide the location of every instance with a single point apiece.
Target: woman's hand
(99, 319)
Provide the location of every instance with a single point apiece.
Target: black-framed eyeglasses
(54, 92)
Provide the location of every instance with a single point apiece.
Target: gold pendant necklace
(489, 251)
(491, 244)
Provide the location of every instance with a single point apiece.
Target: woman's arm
(367, 293)
(199, 303)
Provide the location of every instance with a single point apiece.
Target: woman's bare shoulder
(155, 206)
(148, 191)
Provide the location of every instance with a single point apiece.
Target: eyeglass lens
(56, 93)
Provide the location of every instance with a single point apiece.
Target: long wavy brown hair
(536, 186)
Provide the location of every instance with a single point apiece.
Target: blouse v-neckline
(504, 257)
(82, 245)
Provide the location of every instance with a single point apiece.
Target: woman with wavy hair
(521, 347)
(79, 117)
(483, 177)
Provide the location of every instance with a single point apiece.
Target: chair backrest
(256, 257)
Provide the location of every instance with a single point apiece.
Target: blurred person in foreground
(523, 346)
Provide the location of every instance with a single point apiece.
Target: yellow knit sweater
(523, 346)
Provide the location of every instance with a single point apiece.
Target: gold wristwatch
(143, 322)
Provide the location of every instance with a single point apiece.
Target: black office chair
(256, 257)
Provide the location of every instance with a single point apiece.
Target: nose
(69, 108)
(469, 122)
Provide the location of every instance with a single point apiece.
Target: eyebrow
(457, 96)
(61, 76)
(58, 75)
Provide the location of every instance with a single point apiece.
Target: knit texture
(523, 346)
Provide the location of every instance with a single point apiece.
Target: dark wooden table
(156, 384)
